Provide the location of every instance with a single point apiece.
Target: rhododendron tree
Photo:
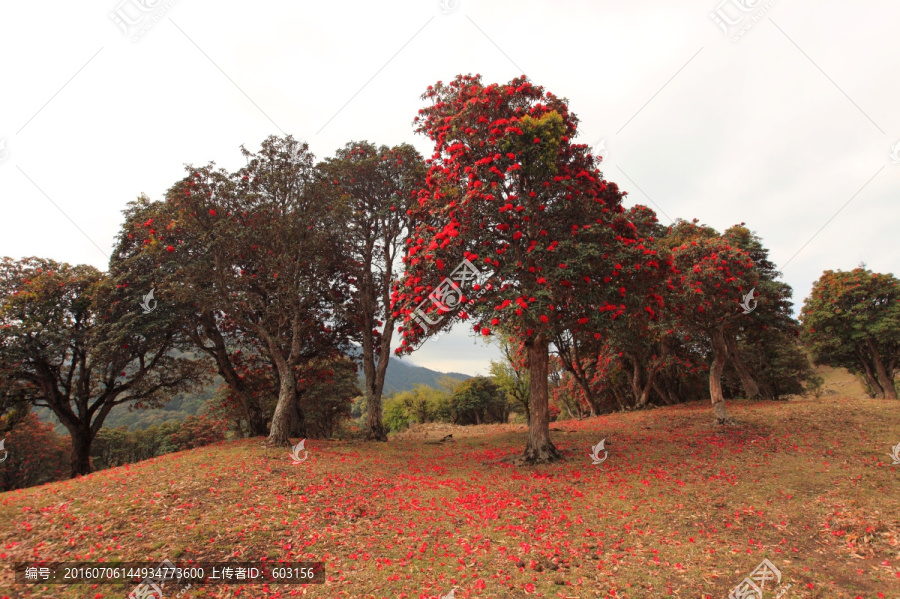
(510, 192)
(765, 349)
(372, 189)
(181, 278)
(80, 346)
(852, 320)
(273, 266)
(712, 279)
(34, 454)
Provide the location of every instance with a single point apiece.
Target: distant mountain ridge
(402, 376)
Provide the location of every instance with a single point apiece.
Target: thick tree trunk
(81, 451)
(285, 416)
(256, 422)
(890, 391)
(374, 375)
(539, 449)
(877, 391)
(750, 387)
(720, 350)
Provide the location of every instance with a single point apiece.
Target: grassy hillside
(679, 508)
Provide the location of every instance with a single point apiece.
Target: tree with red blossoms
(372, 189)
(510, 192)
(713, 277)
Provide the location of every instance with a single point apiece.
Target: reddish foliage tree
(509, 191)
(712, 278)
(34, 454)
(273, 262)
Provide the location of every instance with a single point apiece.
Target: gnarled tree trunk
(877, 391)
(81, 450)
(285, 417)
(539, 449)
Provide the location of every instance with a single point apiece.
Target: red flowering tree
(372, 189)
(509, 191)
(852, 320)
(712, 279)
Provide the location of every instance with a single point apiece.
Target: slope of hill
(678, 508)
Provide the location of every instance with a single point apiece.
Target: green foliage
(852, 320)
(479, 401)
(815, 385)
(394, 413)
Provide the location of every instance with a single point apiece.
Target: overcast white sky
(780, 128)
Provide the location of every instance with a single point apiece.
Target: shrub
(395, 416)
(815, 385)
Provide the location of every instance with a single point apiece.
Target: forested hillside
(401, 376)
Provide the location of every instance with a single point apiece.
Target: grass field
(680, 508)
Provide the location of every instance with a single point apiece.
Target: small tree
(34, 454)
(511, 375)
(852, 320)
(373, 189)
(479, 401)
(713, 277)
